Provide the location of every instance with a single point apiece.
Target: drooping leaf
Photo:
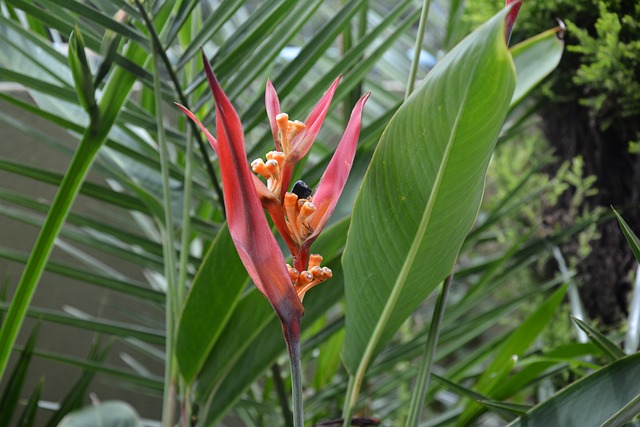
(28, 417)
(76, 396)
(423, 188)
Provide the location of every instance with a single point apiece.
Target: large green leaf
(212, 298)
(591, 401)
(423, 188)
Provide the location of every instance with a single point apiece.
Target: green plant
(215, 336)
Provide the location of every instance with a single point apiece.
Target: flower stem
(292, 337)
(422, 28)
(422, 384)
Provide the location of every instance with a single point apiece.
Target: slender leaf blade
(604, 344)
(631, 237)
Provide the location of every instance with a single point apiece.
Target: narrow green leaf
(63, 93)
(133, 288)
(98, 18)
(295, 71)
(277, 40)
(76, 396)
(328, 361)
(211, 25)
(81, 72)
(214, 294)
(146, 382)
(534, 368)
(120, 329)
(512, 408)
(590, 401)
(506, 410)
(423, 188)
(13, 389)
(92, 190)
(28, 417)
(604, 344)
(633, 240)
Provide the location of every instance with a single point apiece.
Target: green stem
(292, 337)
(173, 295)
(422, 28)
(422, 384)
(347, 410)
(67, 192)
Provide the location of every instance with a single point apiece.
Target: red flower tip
(512, 15)
(210, 138)
(247, 223)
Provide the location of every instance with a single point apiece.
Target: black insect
(301, 190)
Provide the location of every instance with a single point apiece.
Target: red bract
(248, 226)
(511, 16)
(298, 217)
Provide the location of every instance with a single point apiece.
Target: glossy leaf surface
(423, 188)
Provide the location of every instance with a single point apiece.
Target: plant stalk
(172, 309)
(422, 29)
(422, 384)
(292, 338)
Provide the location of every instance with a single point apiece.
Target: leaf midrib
(415, 245)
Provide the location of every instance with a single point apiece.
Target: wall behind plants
(59, 293)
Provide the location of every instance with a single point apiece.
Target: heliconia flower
(301, 217)
(248, 226)
(298, 215)
(511, 16)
